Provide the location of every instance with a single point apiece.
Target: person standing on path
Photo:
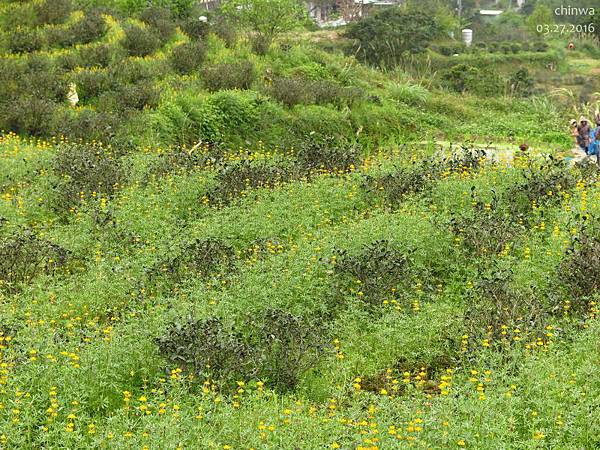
(583, 133)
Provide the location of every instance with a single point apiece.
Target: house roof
(490, 12)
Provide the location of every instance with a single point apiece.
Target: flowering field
(207, 243)
(402, 299)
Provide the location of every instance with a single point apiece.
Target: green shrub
(319, 123)
(129, 97)
(291, 91)
(580, 270)
(89, 29)
(237, 75)
(159, 19)
(140, 41)
(195, 29)
(465, 78)
(92, 84)
(43, 79)
(202, 258)
(278, 348)
(187, 58)
(521, 83)
(28, 114)
(24, 256)
(410, 94)
(130, 71)
(239, 110)
(52, 11)
(84, 171)
(87, 125)
(386, 37)
(380, 271)
(187, 119)
(295, 91)
(23, 40)
(101, 55)
(540, 46)
(235, 179)
(327, 154)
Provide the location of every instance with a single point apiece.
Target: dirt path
(505, 153)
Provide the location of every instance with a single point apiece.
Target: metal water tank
(467, 36)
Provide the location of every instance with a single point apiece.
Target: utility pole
(459, 9)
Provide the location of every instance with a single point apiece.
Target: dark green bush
(543, 184)
(521, 83)
(465, 78)
(495, 309)
(580, 270)
(87, 125)
(316, 123)
(292, 91)
(278, 348)
(129, 97)
(236, 179)
(297, 90)
(189, 57)
(160, 20)
(43, 79)
(24, 256)
(130, 71)
(140, 41)
(89, 29)
(202, 258)
(69, 61)
(29, 115)
(386, 37)
(58, 37)
(52, 11)
(381, 271)
(488, 228)
(101, 55)
(23, 40)
(195, 29)
(327, 154)
(238, 75)
(82, 170)
(92, 84)
(540, 46)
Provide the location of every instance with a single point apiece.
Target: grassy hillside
(317, 273)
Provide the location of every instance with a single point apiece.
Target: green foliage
(159, 19)
(24, 256)
(541, 15)
(84, 172)
(52, 11)
(236, 75)
(188, 57)
(464, 78)
(23, 40)
(296, 91)
(386, 37)
(195, 29)
(140, 41)
(265, 18)
(521, 83)
(280, 348)
(580, 269)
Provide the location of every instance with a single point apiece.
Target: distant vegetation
(249, 232)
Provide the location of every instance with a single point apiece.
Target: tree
(386, 37)
(265, 18)
(541, 15)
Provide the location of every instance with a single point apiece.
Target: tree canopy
(386, 37)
